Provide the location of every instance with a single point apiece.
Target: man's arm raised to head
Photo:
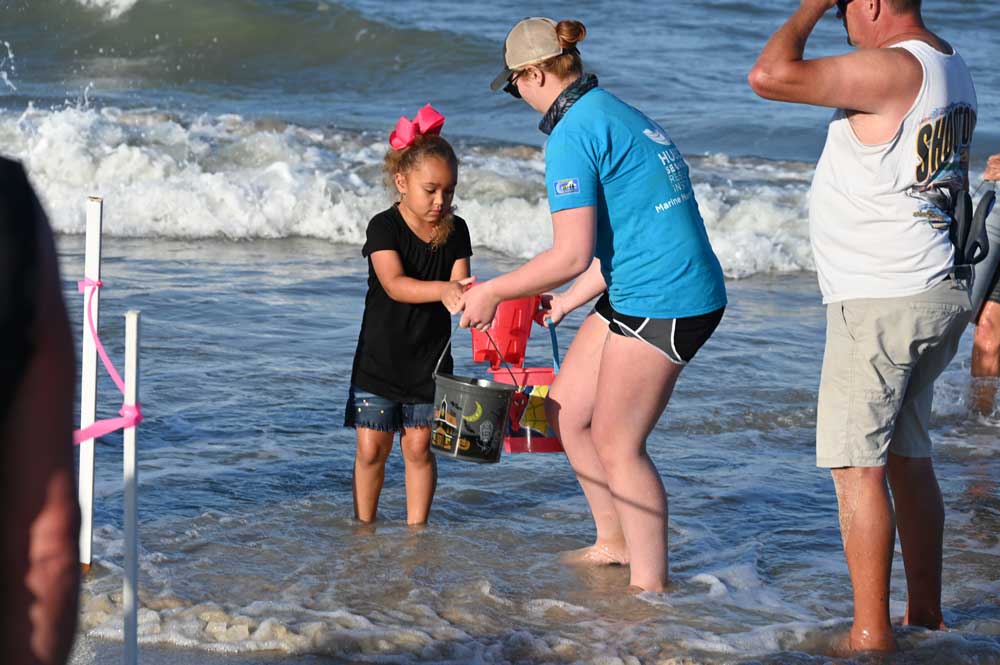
(878, 81)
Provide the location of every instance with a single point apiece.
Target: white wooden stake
(88, 383)
(130, 591)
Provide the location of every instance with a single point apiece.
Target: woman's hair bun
(570, 33)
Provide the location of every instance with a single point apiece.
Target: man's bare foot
(857, 641)
(840, 645)
(597, 554)
(930, 621)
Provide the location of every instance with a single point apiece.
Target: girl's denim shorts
(385, 415)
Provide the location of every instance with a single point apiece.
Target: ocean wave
(131, 44)
(227, 177)
(112, 8)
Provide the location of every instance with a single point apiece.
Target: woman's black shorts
(677, 339)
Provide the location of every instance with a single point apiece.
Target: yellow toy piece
(533, 417)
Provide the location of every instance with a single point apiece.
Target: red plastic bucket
(510, 329)
(528, 431)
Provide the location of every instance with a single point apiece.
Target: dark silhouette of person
(39, 558)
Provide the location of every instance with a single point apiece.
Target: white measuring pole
(88, 383)
(130, 591)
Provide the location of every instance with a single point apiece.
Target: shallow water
(238, 145)
(247, 541)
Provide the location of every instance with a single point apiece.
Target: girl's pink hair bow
(427, 121)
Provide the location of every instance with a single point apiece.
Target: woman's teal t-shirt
(651, 239)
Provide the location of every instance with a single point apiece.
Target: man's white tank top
(879, 214)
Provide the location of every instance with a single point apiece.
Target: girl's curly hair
(405, 160)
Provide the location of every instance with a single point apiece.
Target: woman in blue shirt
(625, 224)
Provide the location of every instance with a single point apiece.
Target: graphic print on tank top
(942, 172)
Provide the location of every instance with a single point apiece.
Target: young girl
(418, 265)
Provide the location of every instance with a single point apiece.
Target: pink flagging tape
(131, 414)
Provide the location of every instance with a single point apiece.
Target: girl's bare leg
(421, 473)
(369, 471)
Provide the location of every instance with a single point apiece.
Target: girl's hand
(480, 305)
(451, 295)
(552, 309)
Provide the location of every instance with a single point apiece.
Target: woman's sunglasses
(511, 87)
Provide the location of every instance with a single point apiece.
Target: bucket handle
(540, 317)
(555, 346)
(513, 379)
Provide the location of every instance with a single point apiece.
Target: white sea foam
(211, 628)
(225, 176)
(212, 178)
(228, 177)
(112, 8)
(8, 68)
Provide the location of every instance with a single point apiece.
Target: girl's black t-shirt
(400, 343)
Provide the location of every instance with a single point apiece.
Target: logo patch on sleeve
(567, 186)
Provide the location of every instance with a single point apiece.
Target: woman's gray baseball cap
(531, 41)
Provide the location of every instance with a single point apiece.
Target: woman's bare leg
(634, 386)
(570, 408)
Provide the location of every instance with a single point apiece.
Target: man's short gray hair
(904, 6)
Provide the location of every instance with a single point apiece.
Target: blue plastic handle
(555, 346)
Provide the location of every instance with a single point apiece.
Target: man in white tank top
(896, 155)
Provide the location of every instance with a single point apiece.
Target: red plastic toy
(528, 429)
(510, 330)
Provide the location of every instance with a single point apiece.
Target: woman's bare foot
(363, 528)
(597, 554)
(636, 589)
